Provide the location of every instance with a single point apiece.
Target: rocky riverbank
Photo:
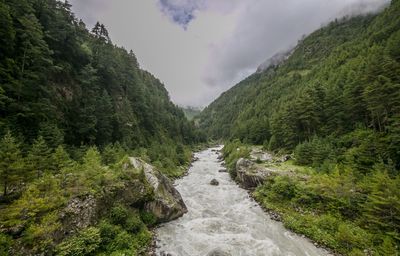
(251, 172)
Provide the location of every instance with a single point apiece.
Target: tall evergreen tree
(11, 162)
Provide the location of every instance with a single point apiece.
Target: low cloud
(267, 27)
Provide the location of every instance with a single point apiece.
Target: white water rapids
(225, 219)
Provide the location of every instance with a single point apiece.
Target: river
(224, 219)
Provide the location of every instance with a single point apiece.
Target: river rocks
(214, 182)
(218, 252)
(167, 204)
(250, 175)
(275, 216)
(223, 170)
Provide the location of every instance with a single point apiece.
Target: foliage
(232, 153)
(84, 243)
(63, 85)
(5, 244)
(10, 164)
(337, 210)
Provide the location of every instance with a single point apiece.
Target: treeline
(73, 87)
(342, 81)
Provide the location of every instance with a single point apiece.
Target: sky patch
(181, 12)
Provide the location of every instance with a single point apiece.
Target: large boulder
(249, 174)
(167, 204)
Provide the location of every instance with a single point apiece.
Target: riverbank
(328, 208)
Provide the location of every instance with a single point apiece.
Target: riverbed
(224, 219)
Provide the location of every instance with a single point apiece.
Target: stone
(214, 182)
(168, 203)
(222, 170)
(250, 175)
(80, 212)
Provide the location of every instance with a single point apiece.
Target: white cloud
(223, 42)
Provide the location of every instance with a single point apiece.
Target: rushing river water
(224, 219)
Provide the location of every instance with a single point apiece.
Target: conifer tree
(38, 159)
(11, 162)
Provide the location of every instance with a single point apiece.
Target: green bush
(118, 215)
(84, 243)
(133, 223)
(148, 218)
(108, 232)
(232, 152)
(283, 188)
(122, 240)
(5, 244)
(352, 237)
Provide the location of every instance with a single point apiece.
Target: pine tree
(51, 134)
(38, 157)
(382, 209)
(11, 162)
(60, 159)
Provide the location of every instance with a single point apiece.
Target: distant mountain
(191, 112)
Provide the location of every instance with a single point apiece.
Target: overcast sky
(200, 48)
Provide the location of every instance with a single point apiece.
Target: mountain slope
(57, 75)
(343, 76)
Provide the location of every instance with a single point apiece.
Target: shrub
(133, 223)
(5, 244)
(148, 218)
(119, 215)
(84, 243)
(283, 187)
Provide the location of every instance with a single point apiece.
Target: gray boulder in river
(214, 182)
(167, 204)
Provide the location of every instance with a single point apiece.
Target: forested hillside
(342, 79)
(73, 107)
(74, 87)
(334, 106)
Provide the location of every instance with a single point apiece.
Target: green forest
(334, 106)
(73, 105)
